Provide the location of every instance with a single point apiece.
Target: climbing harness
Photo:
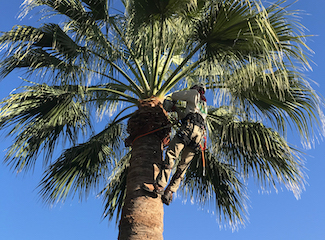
(184, 135)
(194, 118)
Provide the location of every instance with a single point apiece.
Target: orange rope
(202, 152)
(202, 147)
(147, 133)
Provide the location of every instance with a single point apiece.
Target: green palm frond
(72, 9)
(220, 187)
(49, 47)
(107, 97)
(115, 190)
(289, 99)
(84, 23)
(257, 151)
(235, 33)
(98, 9)
(46, 64)
(49, 36)
(83, 167)
(98, 59)
(46, 48)
(143, 12)
(40, 117)
(54, 37)
(288, 30)
(81, 11)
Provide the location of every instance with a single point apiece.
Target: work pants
(176, 146)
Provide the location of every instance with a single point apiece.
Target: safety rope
(203, 148)
(147, 133)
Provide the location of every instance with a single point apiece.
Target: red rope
(203, 148)
(202, 153)
(147, 133)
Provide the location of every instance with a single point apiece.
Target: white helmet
(199, 86)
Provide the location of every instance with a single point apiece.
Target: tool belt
(184, 134)
(194, 118)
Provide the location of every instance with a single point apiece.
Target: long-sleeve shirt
(194, 104)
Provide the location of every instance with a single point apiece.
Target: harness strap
(194, 118)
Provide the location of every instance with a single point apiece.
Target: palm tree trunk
(142, 213)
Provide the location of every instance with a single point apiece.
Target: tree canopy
(99, 60)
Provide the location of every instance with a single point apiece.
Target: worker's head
(199, 87)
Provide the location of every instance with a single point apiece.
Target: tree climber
(187, 140)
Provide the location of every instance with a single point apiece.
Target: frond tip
(39, 117)
(220, 187)
(115, 190)
(256, 151)
(83, 167)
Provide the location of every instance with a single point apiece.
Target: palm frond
(98, 9)
(55, 38)
(288, 99)
(235, 33)
(42, 49)
(108, 97)
(40, 116)
(84, 23)
(72, 9)
(48, 36)
(220, 187)
(43, 64)
(144, 12)
(115, 190)
(82, 168)
(257, 151)
(85, 10)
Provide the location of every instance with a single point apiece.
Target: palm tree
(102, 61)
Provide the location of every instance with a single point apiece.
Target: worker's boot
(167, 197)
(154, 188)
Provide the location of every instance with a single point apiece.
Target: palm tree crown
(99, 60)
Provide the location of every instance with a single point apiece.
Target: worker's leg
(174, 149)
(187, 156)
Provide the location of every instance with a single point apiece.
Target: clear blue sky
(272, 216)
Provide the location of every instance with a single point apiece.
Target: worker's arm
(180, 112)
(190, 96)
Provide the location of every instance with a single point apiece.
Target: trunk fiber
(142, 213)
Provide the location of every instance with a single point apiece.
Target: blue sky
(272, 216)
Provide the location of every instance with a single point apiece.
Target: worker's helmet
(199, 87)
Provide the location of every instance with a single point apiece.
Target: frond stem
(119, 114)
(141, 79)
(154, 81)
(162, 90)
(167, 63)
(182, 73)
(127, 77)
(115, 80)
(127, 97)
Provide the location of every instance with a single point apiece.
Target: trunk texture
(142, 213)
